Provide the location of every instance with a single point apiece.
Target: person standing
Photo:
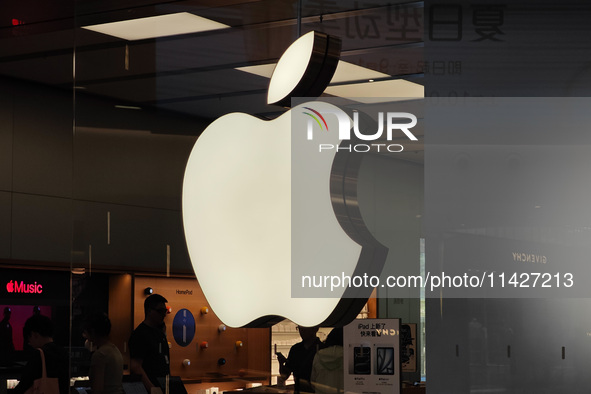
(148, 345)
(6, 343)
(27, 348)
(106, 364)
(300, 358)
(38, 332)
(327, 369)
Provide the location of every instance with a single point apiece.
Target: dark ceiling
(194, 74)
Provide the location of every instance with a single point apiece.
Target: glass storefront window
(96, 126)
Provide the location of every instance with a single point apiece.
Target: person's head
(7, 312)
(307, 333)
(96, 326)
(155, 309)
(334, 337)
(38, 330)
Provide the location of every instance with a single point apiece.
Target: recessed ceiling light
(157, 26)
(345, 72)
(378, 92)
(128, 107)
(262, 70)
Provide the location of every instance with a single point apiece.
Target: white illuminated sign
(257, 203)
(237, 212)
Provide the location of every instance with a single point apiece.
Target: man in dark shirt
(38, 332)
(300, 359)
(148, 345)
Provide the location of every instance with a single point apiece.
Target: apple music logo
(16, 287)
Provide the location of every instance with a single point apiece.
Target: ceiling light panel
(377, 92)
(345, 72)
(157, 26)
(262, 70)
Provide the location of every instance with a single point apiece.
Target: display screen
(385, 361)
(361, 360)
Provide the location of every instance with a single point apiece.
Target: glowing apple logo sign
(253, 207)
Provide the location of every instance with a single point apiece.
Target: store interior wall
(245, 352)
(106, 193)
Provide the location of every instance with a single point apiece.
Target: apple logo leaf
(305, 68)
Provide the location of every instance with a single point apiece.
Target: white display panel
(372, 356)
